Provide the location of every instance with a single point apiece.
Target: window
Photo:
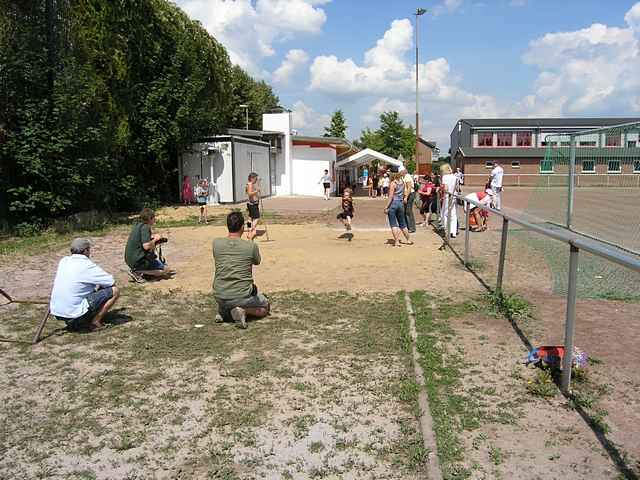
(515, 164)
(636, 166)
(485, 139)
(523, 139)
(632, 144)
(613, 140)
(588, 166)
(587, 143)
(546, 166)
(488, 164)
(614, 166)
(505, 139)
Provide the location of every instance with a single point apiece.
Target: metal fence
(599, 171)
(576, 242)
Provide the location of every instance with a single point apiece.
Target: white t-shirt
(496, 177)
(385, 182)
(76, 278)
(325, 179)
(449, 180)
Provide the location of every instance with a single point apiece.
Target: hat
(79, 245)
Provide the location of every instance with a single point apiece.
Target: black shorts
(385, 190)
(254, 210)
(326, 186)
(344, 214)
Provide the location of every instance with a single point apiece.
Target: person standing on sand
(253, 200)
(326, 184)
(395, 210)
(187, 191)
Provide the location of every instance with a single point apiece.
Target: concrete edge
(426, 421)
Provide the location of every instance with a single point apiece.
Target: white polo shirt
(77, 277)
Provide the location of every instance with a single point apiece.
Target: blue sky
(479, 58)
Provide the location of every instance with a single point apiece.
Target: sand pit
(312, 258)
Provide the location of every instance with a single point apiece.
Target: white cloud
(589, 71)
(294, 60)
(249, 30)
(448, 6)
(307, 121)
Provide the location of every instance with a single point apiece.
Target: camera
(249, 225)
(162, 240)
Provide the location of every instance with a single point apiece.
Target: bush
(25, 229)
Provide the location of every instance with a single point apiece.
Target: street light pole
(246, 115)
(419, 11)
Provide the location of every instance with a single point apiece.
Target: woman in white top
(449, 183)
(325, 180)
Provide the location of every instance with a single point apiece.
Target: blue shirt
(77, 277)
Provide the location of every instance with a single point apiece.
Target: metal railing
(576, 242)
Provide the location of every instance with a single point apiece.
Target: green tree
(337, 127)
(392, 138)
(257, 95)
(134, 82)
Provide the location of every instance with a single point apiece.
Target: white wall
(281, 122)
(309, 164)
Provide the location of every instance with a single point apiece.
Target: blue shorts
(396, 216)
(96, 301)
(149, 264)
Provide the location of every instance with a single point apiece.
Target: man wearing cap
(82, 291)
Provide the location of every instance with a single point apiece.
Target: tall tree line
(98, 98)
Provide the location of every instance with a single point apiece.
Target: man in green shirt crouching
(233, 288)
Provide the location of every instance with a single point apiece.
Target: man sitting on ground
(82, 291)
(233, 288)
(140, 255)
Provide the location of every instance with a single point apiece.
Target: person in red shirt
(480, 216)
(428, 198)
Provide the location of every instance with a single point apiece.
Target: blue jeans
(396, 216)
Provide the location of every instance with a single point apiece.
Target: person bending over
(82, 291)
(140, 254)
(486, 198)
(233, 288)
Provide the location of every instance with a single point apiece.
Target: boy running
(347, 209)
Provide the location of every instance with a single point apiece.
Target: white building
(287, 164)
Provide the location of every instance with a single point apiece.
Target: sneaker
(219, 318)
(135, 277)
(239, 316)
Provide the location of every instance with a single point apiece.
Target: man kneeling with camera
(233, 288)
(140, 252)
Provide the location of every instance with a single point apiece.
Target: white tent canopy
(365, 157)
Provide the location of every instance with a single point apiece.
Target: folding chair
(43, 322)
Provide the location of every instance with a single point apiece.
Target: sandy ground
(313, 258)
